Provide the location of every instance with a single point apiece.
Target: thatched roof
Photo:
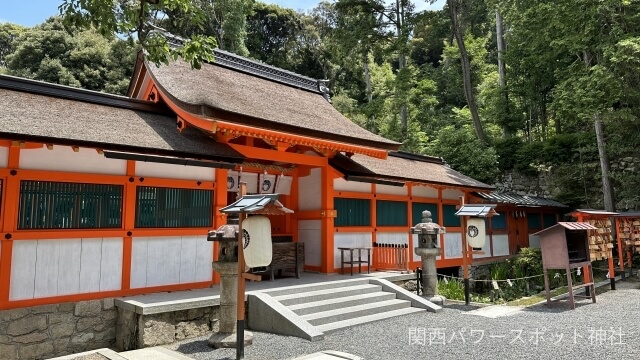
(406, 167)
(36, 111)
(251, 93)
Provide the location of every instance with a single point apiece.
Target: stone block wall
(135, 331)
(46, 331)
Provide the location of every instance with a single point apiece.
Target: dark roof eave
(119, 147)
(77, 94)
(211, 112)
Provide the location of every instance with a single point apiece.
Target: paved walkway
(609, 329)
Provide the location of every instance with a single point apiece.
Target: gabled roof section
(250, 93)
(519, 200)
(407, 167)
(40, 112)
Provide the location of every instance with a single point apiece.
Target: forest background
(501, 89)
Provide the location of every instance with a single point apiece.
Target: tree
(8, 34)
(70, 56)
(458, 31)
(139, 18)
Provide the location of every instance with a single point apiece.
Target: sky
(33, 12)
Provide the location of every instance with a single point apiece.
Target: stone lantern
(428, 249)
(227, 267)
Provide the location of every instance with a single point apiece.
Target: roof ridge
(78, 94)
(418, 157)
(266, 71)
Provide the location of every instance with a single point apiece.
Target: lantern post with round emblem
(472, 221)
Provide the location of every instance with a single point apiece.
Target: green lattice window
(352, 212)
(60, 205)
(499, 222)
(533, 220)
(418, 208)
(173, 208)
(450, 218)
(391, 213)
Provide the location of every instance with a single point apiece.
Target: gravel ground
(609, 329)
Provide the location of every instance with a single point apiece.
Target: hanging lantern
(257, 241)
(476, 233)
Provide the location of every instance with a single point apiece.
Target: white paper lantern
(257, 241)
(476, 233)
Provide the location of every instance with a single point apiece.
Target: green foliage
(138, 18)
(71, 56)
(451, 289)
(464, 152)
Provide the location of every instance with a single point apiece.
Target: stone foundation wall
(135, 331)
(42, 332)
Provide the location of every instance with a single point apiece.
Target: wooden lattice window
(352, 212)
(158, 207)
(62, 205)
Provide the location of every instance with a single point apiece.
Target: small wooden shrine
(565, 246)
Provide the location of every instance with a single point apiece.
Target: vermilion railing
(391, 256)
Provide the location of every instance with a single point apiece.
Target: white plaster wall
(534, 241)
(64, 158)
(500, 245)
(44, 268)
(170, 260)
(4, 157)
(452, 245)
(391, 190)
(451, 194)
(424, 191)
(340, 184)
(349, 240)
(310, 191)
(172, 171)
(309, 233)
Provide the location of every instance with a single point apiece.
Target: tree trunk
(607, 190)
(369, 91)
(501, 73)
(466, 71)
(402, 63)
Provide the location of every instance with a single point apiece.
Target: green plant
(451, 289)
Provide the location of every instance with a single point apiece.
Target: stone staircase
(322, 308)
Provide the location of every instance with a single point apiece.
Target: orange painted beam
(219, 219)
(327, 224)
(279, 156)
(352, 229)
(96, 233)
(10, 201)
(128, 222)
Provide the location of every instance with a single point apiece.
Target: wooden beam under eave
(274, 155)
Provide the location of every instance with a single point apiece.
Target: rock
(86, 323)
(66, 307)
(156, 333)
(109, 315)
(60, 345)
(88, 308)
(34, 337)
(44, 309)
(62, 330)
(8, 351)
(27, 324)
(187, 330)
(107, 335)
(8, 315)
(61, 318)
(82, 338)
(36, 351)
(107, 304)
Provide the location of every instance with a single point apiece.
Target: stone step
(351, 312)
(153, 353)
(339, 325)
(289, 290)
(330, 304)
(330, 293)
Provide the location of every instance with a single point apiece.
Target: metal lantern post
(472, 219)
